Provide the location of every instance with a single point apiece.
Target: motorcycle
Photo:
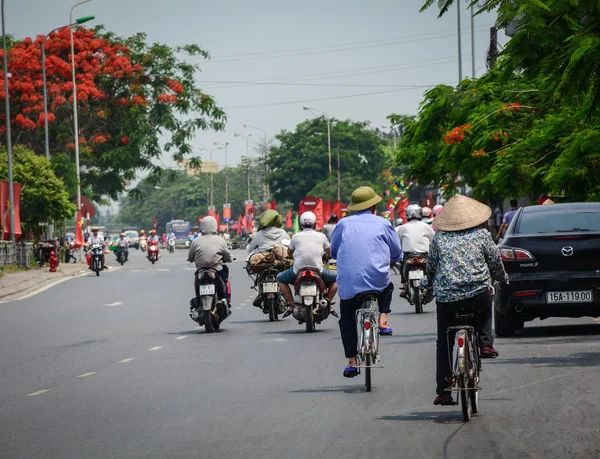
(171, 245)
(121, 254)
(311, 305)
(414, 269)
(143, 244)
(97, 252)
(153, 252)
(210, 307)
(265, 282)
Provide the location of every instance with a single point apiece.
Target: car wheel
(504, 324)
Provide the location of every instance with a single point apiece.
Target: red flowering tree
(134, 101)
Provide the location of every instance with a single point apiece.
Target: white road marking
(85, 375)
(190, 269)
(116, 303)
(181, 337)
(155, 348)
(126, 360)
(237, 307)
(135, 270)
(272, 340)
(39, 392)
(164, 269)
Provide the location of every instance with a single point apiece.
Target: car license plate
(415, 274)
(270, 287)
(308, 290)
(581, 296)
(207, 289)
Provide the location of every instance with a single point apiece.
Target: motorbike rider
(270, 234)
(463, 261)
(415, 237)
(153, 240)
(171, 237)
(210, 251)
(96, 238)
(427, 215)
(363, 244)
(330, 226)
(123, 244)
(307, 248)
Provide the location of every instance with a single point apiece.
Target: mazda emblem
(567, 251)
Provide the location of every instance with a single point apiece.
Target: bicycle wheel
(473, 395)
(368, 372)
(465, 399)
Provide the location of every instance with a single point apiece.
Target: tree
(44, 197)
(300, 162)
(131, 96)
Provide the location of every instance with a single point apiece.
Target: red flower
(167, 98)
(125, 140)
(174, 86)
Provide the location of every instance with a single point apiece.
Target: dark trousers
(347, 321)
(481, 304)
(220, 287)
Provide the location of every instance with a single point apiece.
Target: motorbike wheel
(368, 372)
(310, 320)
(153, 261)
(271, 308)
(208, 322)
(418, 301)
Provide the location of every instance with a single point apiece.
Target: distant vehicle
(180, 228)
(552, 256)
(134, 238)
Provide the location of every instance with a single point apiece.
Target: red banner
(288, 220)
(5, 211)
(318, 211)
(326, 210)
(336, 208)
(401, 209)
(308, 204)
(226, 212)
(79, 239)
(250, 208)
(211, 211)
(240, 224)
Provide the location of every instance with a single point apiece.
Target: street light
(224, 147)
(314, 111)
(247, 156)
(46, 136)
(210, 152)
(11, 196)
(264, 152)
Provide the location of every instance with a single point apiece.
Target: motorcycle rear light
(461, 342)
(513, 254)
(367, 325)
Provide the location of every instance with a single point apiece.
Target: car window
(559, 220)
(131, 234)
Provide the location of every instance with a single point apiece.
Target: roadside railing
(19, 255)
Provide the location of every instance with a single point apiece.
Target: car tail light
(513, 254)
(461, 342)
(526, 294)
(367, 325)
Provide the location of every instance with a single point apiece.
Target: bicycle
(367, 323)
(467, 366)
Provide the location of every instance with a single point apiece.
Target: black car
(552, 256)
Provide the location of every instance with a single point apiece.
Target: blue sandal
(351, 372)
(385, 331)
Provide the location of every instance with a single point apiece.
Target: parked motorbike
(171, 245)
(153, 252)
(121, 254)
(143, 244)
(414, 269)
(97, 252)
(210, 307)
(311, 305)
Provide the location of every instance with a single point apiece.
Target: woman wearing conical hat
(463, 262)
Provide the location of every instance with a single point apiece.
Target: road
(113, 367)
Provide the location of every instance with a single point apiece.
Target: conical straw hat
(548, 201)
(461, 213)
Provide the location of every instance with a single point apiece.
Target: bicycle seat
(374, 294)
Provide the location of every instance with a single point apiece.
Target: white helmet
(414, 211)
(426, 212)
(308, 220)
(122, 234)
(398, 222)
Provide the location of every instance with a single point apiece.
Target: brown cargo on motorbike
(260, 260)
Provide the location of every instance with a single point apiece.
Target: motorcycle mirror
(286, 242)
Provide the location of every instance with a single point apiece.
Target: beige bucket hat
(461, 213)
(363, 198)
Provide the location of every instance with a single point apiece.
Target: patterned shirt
(461, 264)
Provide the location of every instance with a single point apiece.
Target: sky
(350, 59)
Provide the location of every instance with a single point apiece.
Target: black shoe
(333, 313)
(444, 399)
(287, 313)
(258, 301)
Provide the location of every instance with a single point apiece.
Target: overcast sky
(349, 58)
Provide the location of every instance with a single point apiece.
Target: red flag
(401, 209)
(326, 210)
(273, 204)
(218, 218)
(336, 208)
(79, 239)
(5, 213)
(428, 201)
(288, 220)
(318, 211)
(390, 208)
(301, 208)
(240, 222)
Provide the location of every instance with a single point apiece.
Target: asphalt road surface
(113, 367)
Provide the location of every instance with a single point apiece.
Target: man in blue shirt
(363, 246)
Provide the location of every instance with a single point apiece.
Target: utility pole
(493, 50)
(473, 42)
(460, 74)
(339, 180)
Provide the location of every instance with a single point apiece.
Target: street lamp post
(248, 158)
(314, 111)
(224, 147)
(11, 196)
(44, 81)
(264, 152)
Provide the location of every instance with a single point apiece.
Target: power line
(336, 85)
(340, 47)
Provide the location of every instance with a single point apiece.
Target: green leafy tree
(44, 197)
(300, 162)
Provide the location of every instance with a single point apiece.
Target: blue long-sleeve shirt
(363, 246)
